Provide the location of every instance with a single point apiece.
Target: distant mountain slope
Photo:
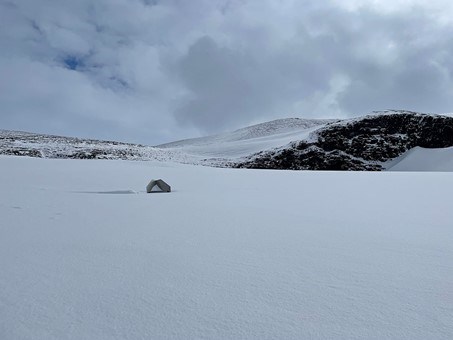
(267, 129)
(365, 143)
(220, 150)
(231, 146)
(19, 143)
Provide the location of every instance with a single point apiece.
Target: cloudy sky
(153, 71)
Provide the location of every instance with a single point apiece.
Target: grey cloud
(230, 86)
(119, 69)
(224, 85)
(415, 76)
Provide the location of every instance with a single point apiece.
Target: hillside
(19, 143)
(370, 142)
(365, 143)
(223, 149)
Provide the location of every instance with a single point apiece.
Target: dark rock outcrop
(359, 144)
(21, 152)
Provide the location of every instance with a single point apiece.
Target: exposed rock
(359, 144)
(21, 152)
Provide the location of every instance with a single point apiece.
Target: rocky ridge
(364, 143)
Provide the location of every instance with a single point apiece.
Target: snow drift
(421, 159)
(85, 253)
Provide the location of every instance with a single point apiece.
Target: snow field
(230, 253)
(422, 159)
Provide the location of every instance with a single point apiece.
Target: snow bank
(421, 159)
(229, 254)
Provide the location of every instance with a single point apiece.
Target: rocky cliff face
(359, 144)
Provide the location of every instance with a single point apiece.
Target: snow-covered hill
(293, 128)
(232, 146)
(19, 143)
(86, 254)
(365, 143)
(223, 149)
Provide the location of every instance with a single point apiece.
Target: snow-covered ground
(246, 141)
(229, 254)
(421, 159)
(212, 150)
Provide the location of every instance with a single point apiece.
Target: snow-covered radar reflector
(157, 185)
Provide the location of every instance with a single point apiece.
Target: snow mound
(422, 159)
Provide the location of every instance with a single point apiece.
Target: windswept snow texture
(421, 159)
(244, 142)
(230, 254)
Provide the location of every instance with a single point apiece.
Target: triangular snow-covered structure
(157, 185)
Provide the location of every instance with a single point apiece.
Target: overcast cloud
(153, 71)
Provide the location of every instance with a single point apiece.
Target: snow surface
(421, 159)
(249, 140)
(216, 150)
(231, 253)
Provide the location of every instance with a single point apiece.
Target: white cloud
(119, 68)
